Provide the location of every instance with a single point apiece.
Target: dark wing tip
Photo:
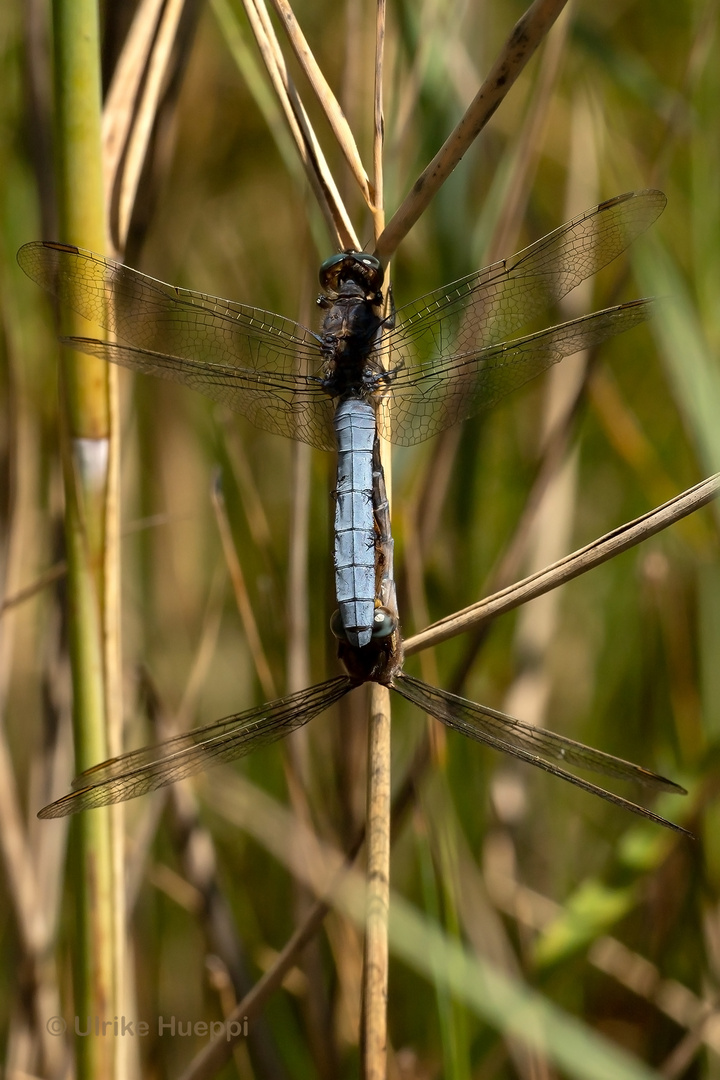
(60, 808)
(54, 245)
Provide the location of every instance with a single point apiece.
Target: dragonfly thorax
(348, 335)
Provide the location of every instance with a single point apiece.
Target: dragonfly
(408, 373)
(151, 768)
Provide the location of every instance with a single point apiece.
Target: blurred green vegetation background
(613, 920)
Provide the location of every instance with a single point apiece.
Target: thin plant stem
(373, 1040)
(131, 108)
(85, 444)
(375, 960)
(306, 143)
(323, 92)
(242, 598)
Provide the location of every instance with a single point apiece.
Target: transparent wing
(153, 767)
(537, 746)
(203, 341)
(448, 337)
(426, 401)
(445, 346)
(484, 308)
(291, 405)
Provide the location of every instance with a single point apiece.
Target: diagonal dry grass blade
(242, 599)
(527, 35)
(578, 562)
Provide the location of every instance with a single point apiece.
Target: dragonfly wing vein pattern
(442, 359)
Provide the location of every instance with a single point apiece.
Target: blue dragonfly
(408, 375)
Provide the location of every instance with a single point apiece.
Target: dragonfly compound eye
(384, 623)
(354, 266)
(336, 627)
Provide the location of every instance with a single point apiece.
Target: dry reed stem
(252, 502)
(127, 125)
(308, 147)
(379, 120)
(54, 573)
(144, 835)
(520, 46)
(373, 1037)
(578, 562)
(298, 593)
(373, 1042)
(242, 599)
(206, 646)
(327, 99)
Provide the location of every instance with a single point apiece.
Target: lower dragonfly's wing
(286, 404)
(537, 746)
(202, 338)
(425, 400)
(153, 767)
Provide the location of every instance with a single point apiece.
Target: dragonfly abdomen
(354, 522)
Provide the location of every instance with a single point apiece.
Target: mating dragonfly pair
(405, 377)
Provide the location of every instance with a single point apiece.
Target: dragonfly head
(380, 658)
(355, 267)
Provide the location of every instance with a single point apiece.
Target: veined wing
(426, 400)
(286, 404)
(202, 338)
(485, 307)
(537, 746)
(152, 767)
(150, 314)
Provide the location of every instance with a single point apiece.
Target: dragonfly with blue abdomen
(153, 767)
(431, 364)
